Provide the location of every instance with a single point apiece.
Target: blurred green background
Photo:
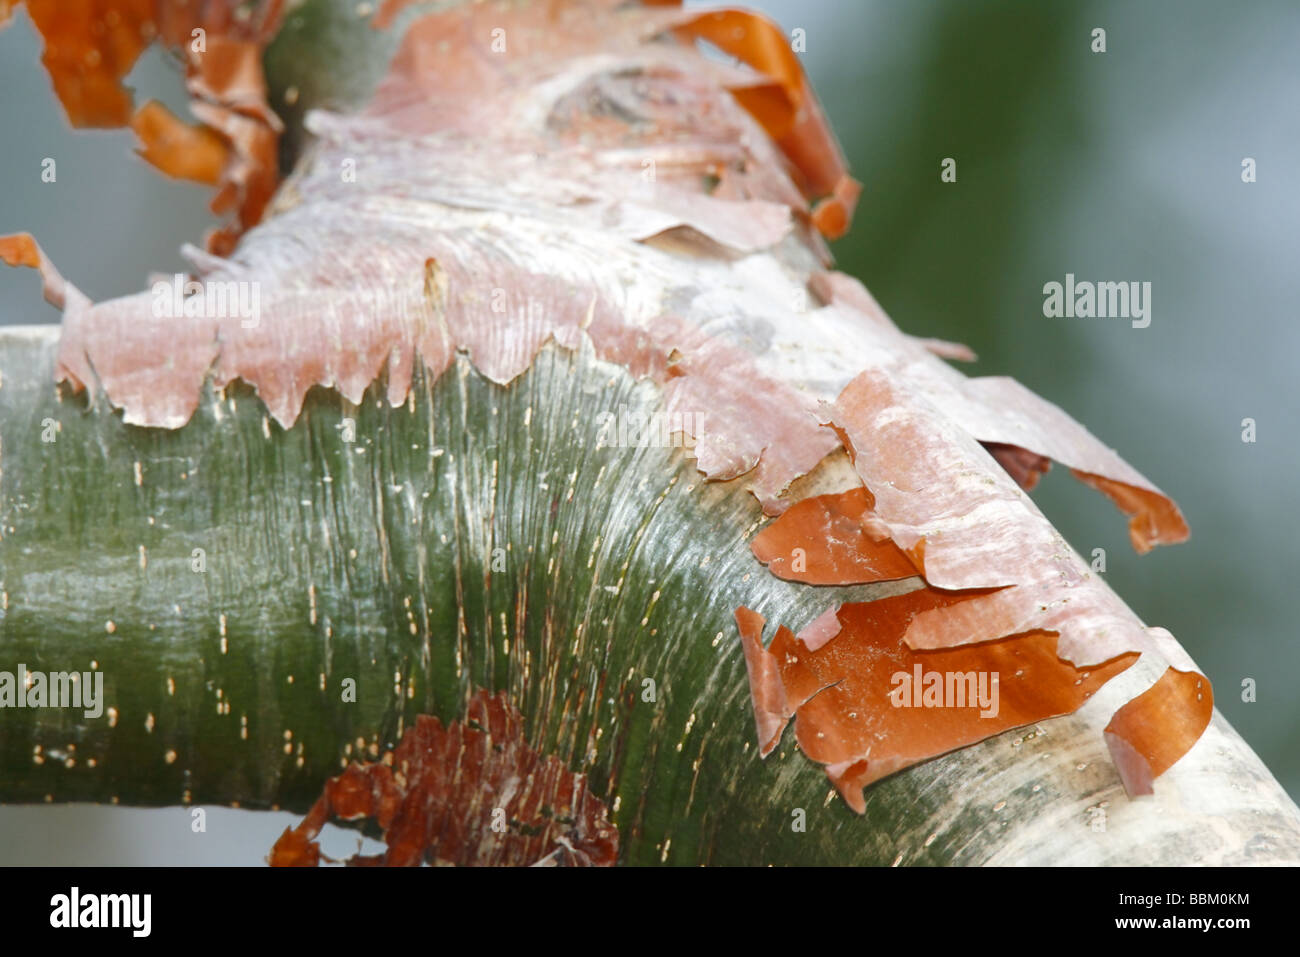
(1117, 166)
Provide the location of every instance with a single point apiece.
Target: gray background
(1117, 166)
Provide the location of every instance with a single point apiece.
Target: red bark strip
(831, 540)
(473, 793)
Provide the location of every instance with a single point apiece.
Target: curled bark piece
(948, 350)
(1153, 518)
(771, 708)
(91, 46)
(784, 104)
(1150, 733)
(181, 150)
(866, 705)
(473, 793)
(1022, 465)
(20, 249)
(1000, 409)
(834, 213)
